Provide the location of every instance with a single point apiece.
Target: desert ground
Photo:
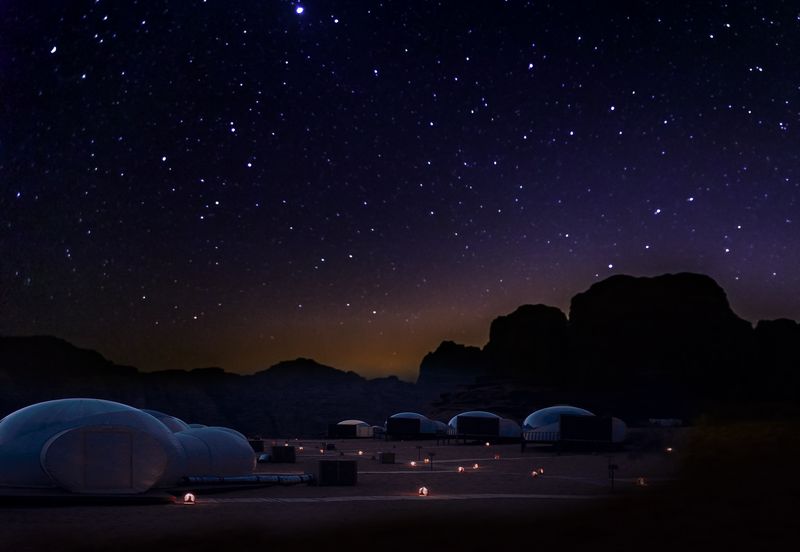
(724, 486)
(497, 483)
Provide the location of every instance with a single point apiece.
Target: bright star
(300, 9)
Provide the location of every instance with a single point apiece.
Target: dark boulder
(451, 364)
(530, 344)
(665, 330)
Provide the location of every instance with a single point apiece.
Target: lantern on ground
(461, 469)
(423, 491)
(189, 498)
(475, 466)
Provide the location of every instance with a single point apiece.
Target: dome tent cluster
(543, 425)
(96, 446)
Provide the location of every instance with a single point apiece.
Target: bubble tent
(100, 447)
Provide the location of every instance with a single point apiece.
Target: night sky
(192, 183)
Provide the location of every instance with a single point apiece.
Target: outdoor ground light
(475, 466)
(461, 469)
(189, 498)
(413, 463)
(423, 491)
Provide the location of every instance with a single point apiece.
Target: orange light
(423, 491)
(189, 498)
(427, 461)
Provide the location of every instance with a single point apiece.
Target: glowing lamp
(361, 453)
(427, 461)
(534, 473)
(541, 471)
(423, 491)
(413, 463)
(461, 469)
(497, 457)
(322, 451)
(488, 443)
(189, 498)
(300, 448)
(641, 482)
(668, 449)
(475, 466)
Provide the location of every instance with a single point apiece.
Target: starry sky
(196, 183)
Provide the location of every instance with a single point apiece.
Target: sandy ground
(502, 485)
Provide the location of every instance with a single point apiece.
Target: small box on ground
(339, 473)
(386, 457)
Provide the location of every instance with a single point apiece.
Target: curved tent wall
(73, 443)
(216, 451)
(173, 424)
(547, 419)
(410, 424)
(94, 446)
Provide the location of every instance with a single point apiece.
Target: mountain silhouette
(632, 346)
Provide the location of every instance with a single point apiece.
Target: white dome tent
(95, 446)
(545, 425)
(87, 446)
(410, 425)
(354, 428)
(547, 419)
(478, 423)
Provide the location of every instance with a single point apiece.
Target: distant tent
(569, 423)
(480, 424)
(547, 419)
(411, 425)
(96, 446)
(347, 429)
